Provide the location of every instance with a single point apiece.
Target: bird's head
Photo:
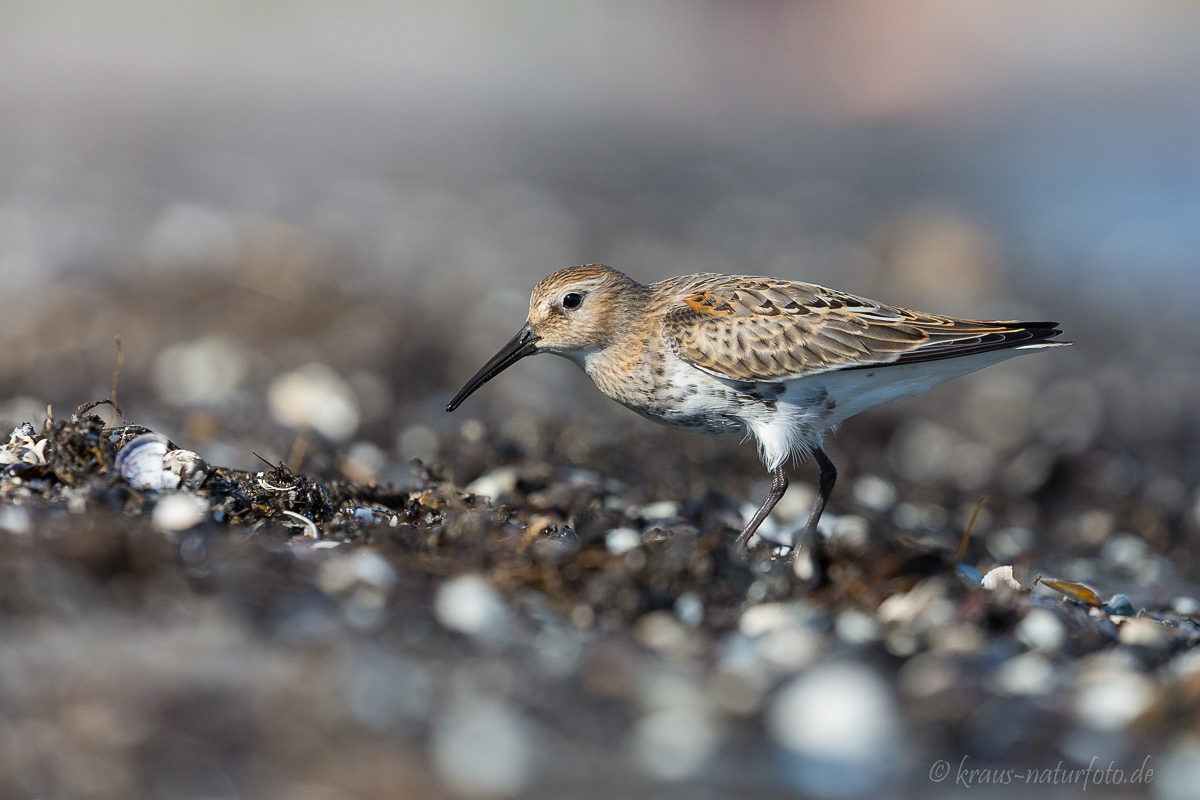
(572, 313)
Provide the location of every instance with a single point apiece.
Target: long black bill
(521, 345)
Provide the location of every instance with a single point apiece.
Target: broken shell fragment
(190, 467)
(141, 463)
(1075, 591)
(1000, 576)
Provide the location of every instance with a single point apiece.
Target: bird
(777, 361)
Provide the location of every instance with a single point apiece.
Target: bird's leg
(779, 485)
(809, 540)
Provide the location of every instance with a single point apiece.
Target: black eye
(572, 300)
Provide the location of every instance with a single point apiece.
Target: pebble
(364, 462)
(689, 609)
(339, 573)
(674, 743)
(655, 512)
(1007, 544)
(1124, 549)
(1119, 605)
(1143, 632)
(468, 604)
(922, 607)
(15, 519)
(495, 483)
(856, 627)
(482, 750)
(874, 493)
(178, 512)
(206, 372)
(1042, 631)
(661, 631)
(788, 650)
(1185, 606)
(766, 617)
(314, 397)
(622, 540)
(1111, 696)
(840, 718)
(1027, 674)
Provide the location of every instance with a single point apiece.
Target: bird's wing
(759, 329)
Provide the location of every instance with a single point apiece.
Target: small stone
(789, 650)
(364, 462)
(178, 512)
(998, 577)
(1110, 696)
(482, 750)
(1042, 631)
(656, 512)
(468, 604)
(841, 719)
(15, 519)
(1124, 549)
(1028, 674)
(874, 492)
(660, 631)
(622, 540)
(495, 483)
(315, 397)
(1119, 605)
(923, 607)
(206, 372)
(1185, 606)
(850, 531)
(765, 617)
(1143, 632)
(689, 609)
(674, 743)
(856, 627)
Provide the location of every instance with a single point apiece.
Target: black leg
(779, 485)
(809, 539)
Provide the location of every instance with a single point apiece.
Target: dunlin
(732, 355)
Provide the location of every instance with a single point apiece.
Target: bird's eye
(572, 300)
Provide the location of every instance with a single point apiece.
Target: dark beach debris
(633, 617)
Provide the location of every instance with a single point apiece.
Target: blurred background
(963, 157)
(309, 222)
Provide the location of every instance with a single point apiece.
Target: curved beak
(521, 345)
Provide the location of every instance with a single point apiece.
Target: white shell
(140, 463)
(185, 464)
(1000, 576)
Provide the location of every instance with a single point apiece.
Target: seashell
(141, 463)
(1000, 576)
(1075, 591)
(190, 467)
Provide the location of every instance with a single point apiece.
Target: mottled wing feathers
(756, 329)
